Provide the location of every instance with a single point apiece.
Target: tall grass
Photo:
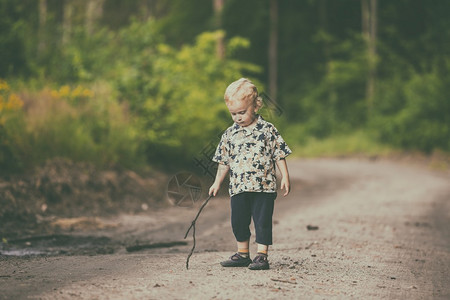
(79, 123)
(359, 142)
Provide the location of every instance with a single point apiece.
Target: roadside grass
(360, 143)
(357, 143)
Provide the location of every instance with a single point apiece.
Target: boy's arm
(285, 183)
(222, 171)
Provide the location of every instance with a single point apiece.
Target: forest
(140, 83)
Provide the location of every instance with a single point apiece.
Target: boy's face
(242, 112)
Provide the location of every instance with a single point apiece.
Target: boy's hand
(214, 189)
(285, 184)
(222, 171)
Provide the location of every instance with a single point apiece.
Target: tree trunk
(145, 8)
(365, 21)
(67, 21)
(218, 7)
(323, 25)
(273, 49)
(369, 29)
(94, 11)
(372, 52)
(42, 44)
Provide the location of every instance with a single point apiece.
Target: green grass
(351, 144)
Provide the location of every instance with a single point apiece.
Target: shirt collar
(258, 125)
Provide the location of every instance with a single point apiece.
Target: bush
(76, 123)
(11, 129)
(178, 94)
(336, 104)
(153, 104)
(415, 115)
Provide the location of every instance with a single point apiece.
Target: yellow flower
(2, 104)
(54, 94)
(76, 92)
(79, 91)
(14, 102)
(64, 91)
(87, 93)
(71, 94)
(4, 85)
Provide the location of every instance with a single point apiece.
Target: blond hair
(243, 90)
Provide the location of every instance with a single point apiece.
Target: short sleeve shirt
(251, 156)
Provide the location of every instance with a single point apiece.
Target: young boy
(249, 149)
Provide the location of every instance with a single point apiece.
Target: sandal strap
(236, 256)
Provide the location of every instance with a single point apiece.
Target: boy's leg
(243, 248)
(262, 210)
(264, 249)
(241, 214)
(240, 223)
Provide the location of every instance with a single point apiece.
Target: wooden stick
(193, 231)
(282, 280)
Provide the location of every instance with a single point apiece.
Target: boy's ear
(259, 102)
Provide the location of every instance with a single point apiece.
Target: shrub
(178, 94)
(415, 115)
(11, 128)
(78, 123)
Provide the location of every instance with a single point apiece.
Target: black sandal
(236, 260)
(259, 263)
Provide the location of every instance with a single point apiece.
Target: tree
(14, 36)
(180, 21)
(273, 49)
(42, 43)
(218, 9)
(94, 11)
(67, 21)
(324, 33)
(369, 30)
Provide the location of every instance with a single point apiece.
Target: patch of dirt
(64, 189)
(59, 244)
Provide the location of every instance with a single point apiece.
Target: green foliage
(180, 98)
(358, 142)
(79, 124)
(13, 39)
(415, 114)
(98, 129)
(84, 58)
(137, 47)
(185, 20)
(12, 131)
(11, 128)
(162, 83)
(336, 103)
(162, 104)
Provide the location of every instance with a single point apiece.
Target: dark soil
(64, 189)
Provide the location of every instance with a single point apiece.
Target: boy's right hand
(222, 171)
(214, 189)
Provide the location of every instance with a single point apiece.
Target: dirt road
(378, 230)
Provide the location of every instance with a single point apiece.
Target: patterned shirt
(251, 155)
